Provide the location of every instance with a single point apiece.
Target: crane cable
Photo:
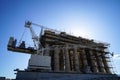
(22, 36)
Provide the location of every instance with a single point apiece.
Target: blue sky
(94, 19)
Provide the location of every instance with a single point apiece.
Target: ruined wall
(75, 54)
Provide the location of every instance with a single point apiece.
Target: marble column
(84, 58)
(105, 62)
(93, 62)
(47, 50)
(56, 59)
(71, 58)
(99, 62)
(76, 60)
(61, 59)
(85, 67)
(67, 61)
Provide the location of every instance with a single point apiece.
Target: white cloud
(116, 56)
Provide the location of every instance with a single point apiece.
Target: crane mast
(37, 61)
(35, 38)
